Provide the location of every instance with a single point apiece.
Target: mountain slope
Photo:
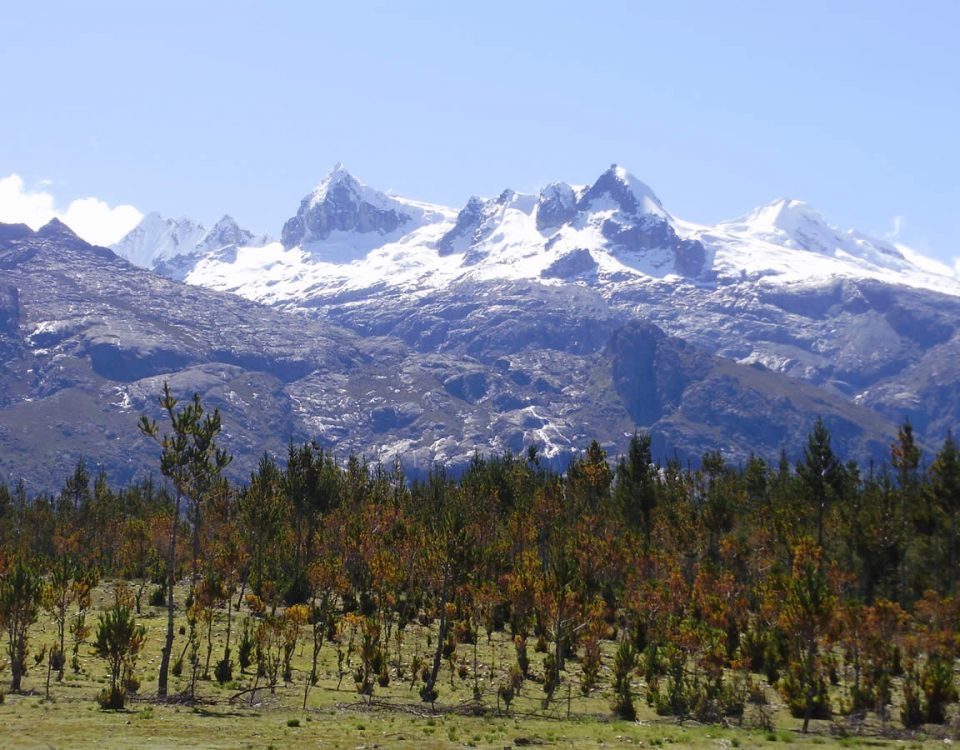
(88, 339)
(864, 319)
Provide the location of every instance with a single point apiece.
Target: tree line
(833, 582)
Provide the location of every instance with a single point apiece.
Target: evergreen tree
(192, 460)
(21, 590)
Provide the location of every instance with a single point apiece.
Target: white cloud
(99, 224)
(18, 205)
(894, 233)
(91, 218)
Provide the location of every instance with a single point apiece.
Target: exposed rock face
(464, 232)
(226, 233)
(653, 233)
(9, 308)
(649, 373)
(342, 203)
(475, 223)
(572, 264)
(637, 224)
(631, 196)
(556, 205)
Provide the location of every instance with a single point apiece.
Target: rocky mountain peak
(556, 205)
(57, 230)
(459, 238)
(342, 203)
(226, 233)
(627, 193)
(338, 179)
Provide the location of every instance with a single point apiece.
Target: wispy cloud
(93, 219)
(894, 233)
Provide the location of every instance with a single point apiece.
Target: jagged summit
(350, 238)
(338, 176)
(173, 246)
(342, 203)
(226, 233)
(556, 205)
(628, 193)
(158, 238)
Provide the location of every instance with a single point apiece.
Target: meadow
(233, 715)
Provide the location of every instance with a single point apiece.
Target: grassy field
(230, 716)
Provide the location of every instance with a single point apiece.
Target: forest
(689, 592)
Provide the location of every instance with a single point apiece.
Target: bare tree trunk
(428, 688)
(171, 579)
(811, 686)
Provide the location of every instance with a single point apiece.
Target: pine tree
(192, 460)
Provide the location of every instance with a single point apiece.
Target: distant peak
(225, 221)
(10, 232)
(337, 176)
(785, 214)
(632, 195)
(56, 229)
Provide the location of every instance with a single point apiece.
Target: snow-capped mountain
(342, 219)
(158, 238)
(347, 237)
(551, 317)
(173, 246)
(787, 241)
(779, 288)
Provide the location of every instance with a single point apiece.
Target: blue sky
(201, 108)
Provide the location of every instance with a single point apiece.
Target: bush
(623, 665)
(57, 659)
(131, 684)
(158, 597)
(509, 689)
(224, 670)
(112, 700)
(245, 649)
(911, 714)
(551, 678)
(792, 689)
(119, 642)
(938, 689)
(523, 660)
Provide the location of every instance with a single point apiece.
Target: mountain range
(402, 329)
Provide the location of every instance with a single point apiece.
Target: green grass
(340, 718)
